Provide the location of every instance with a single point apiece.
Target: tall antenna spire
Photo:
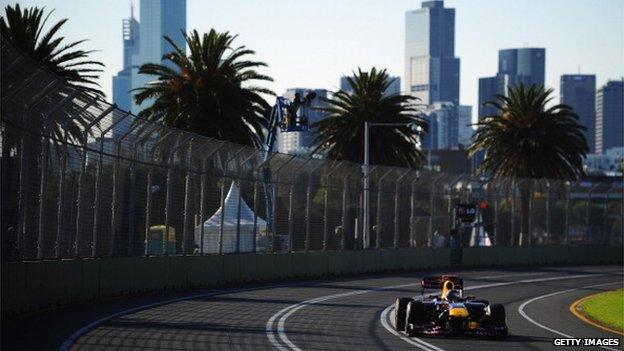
(131, 9)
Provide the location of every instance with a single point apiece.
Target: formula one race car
(449, 313)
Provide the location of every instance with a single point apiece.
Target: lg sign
(465, 212)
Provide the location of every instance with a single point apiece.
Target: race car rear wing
(437, 282)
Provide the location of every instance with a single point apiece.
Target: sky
(310, 44)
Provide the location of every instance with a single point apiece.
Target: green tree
(528, 139)
(25, 31)
(24, 28)
(211, 91)
(341, 133)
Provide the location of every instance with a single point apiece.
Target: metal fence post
(396, 208)
(202, 195)
(275, 190)
(513, 213)
(431, 209)
(496, 200)
(291, 219)
(188, 228)
(568, 188)
(180, 141)
(238, 203)
(378, 241)
(225, 167)
(450, 200)
(98, 184)
(530, 214)
(605, 231)
(326, 206)
(150, 190)
(308, 205)
(63, 175)
(115, 196)
(412, 241)
(23, 170)
(256, 205)
(547, 212)
(43, 185)
(345, 224)
(146, 133)
(81, 180)
(587, 205)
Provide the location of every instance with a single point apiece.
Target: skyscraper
(301, 143)
(431, 68)
(443, 119)
(610, 116)
(579, 92)
(121, 82)
(515, 66)
(159, 18)
(464, 128)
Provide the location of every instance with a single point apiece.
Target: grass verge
(605, 309)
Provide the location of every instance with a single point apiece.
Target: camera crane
(288, 116)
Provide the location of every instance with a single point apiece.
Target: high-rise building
(579, 92)
(610, 116)
(464, 128)
(431, 68)
(443, 122)
(393, 89)
(524, 65)
(159, 18)
(301, 143)
(515, 66)
(121, 82)
(449, 126)
(488, 87)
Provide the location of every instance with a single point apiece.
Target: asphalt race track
(339, 314)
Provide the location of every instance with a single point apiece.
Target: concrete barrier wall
(30, 286)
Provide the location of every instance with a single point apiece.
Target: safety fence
(82, 178)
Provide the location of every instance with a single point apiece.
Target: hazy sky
(311, 43)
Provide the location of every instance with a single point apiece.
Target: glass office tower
(159, 18)
(579, 92)
(610, 116)
(431, 68)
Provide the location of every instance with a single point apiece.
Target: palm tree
(341, 133)
(527, 139)
(210, 92)
(25, 30)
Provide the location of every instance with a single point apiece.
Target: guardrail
(34, 285)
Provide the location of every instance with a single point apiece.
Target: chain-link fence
(81, 178)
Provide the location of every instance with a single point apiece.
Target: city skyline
(374, 35)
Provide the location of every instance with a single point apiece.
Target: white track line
(523, 314)
(289, 310)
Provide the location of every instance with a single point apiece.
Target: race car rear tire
(497, 314)
(415, 313)
(400, 306)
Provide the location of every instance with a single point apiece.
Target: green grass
(606, 308)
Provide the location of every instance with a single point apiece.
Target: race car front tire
(400, 306)
(415, 314)
(497, 315)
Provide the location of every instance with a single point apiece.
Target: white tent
(479, 237)
(235, 208)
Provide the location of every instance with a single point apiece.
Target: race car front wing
(436, 330)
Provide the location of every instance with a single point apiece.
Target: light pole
(366, 171)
